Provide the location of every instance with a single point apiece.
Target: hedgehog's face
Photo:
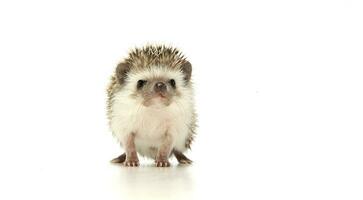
(156, 91)
(157, 86)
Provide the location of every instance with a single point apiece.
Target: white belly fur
(150, 124)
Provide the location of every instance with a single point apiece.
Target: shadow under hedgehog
(151, 106)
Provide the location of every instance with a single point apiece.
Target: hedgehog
(150, 106)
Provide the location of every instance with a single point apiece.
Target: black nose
(160, 87)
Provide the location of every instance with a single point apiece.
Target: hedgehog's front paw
(131, 163)
(162, 163)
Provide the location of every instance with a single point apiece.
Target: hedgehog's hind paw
(182, 159)
(185, 161)
(121, 159)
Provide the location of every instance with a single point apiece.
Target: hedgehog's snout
(160, 87)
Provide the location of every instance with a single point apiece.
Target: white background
(279, 92)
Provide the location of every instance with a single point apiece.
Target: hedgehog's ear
(186, 68)
(121, 72)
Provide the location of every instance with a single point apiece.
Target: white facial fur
(150, 124)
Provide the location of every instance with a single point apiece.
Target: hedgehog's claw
(162, 163)
(131, 163)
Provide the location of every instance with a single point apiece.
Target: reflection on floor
(149, 182)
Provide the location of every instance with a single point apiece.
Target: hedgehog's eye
(140, 84)
(172, 83)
